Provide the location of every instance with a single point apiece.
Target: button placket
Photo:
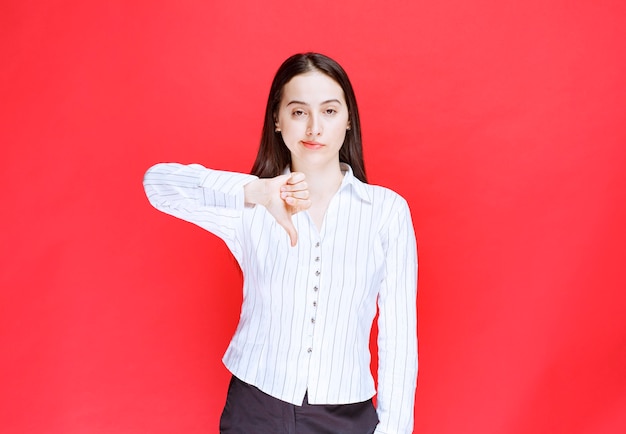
(316, 285)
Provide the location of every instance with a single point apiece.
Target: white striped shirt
(307, 310)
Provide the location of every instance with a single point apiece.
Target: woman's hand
(282, 196)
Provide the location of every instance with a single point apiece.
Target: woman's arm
(214, 199)
(397, 328)
(208, 198)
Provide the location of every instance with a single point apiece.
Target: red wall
(503, 125)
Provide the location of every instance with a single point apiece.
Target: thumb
(287, 224)
(291, 231)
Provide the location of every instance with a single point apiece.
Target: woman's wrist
(255, 192)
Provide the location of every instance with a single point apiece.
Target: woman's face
(313, 118)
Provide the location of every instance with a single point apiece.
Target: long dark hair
(273, 155)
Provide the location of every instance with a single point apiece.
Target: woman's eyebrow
(323, 102)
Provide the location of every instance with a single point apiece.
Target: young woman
(320, 251)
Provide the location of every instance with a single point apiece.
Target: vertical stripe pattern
(307, 310)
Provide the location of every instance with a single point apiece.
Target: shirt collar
(358, 186)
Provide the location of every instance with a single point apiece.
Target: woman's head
(273, 155)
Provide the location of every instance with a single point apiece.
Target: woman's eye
(298, 113)
(330, 111)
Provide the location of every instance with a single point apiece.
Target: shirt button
(309, 350)
(312, 320)
(317, 273)
(317, 259)
(317, 244)
(315, 304)
(315, 288)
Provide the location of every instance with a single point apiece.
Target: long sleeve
(211, 199)
(397, 328)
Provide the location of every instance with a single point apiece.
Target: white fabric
(307, 310)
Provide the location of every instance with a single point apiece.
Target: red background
(502, 123)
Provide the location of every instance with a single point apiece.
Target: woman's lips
(312, 145)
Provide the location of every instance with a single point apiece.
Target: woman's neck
(323, 182)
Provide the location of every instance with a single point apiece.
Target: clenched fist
(282, 196)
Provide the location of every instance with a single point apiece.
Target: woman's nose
(315, 127)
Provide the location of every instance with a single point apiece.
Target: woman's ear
(276, 124)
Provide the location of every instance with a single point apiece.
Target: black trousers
(250, 411)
